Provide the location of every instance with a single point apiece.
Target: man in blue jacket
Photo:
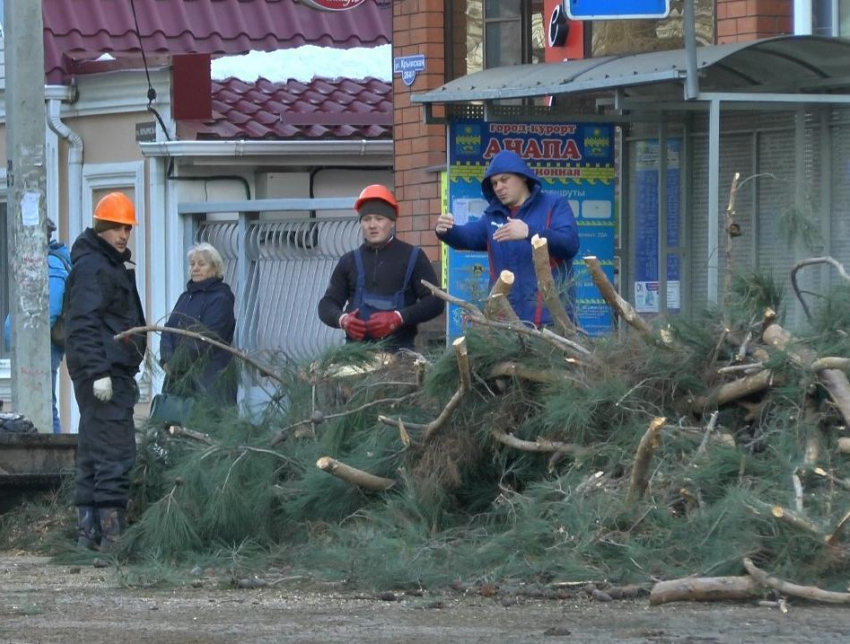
(58, 268)
(519, 209)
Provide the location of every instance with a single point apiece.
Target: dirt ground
(42, 603)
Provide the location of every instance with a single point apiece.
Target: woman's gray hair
(210, 254)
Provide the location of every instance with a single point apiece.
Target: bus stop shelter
(774, 110)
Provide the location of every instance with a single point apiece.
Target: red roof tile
(81, 30)
(321, 109)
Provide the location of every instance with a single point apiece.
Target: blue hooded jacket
(546, 214)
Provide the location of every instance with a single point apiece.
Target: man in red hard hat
(102, 301)
(376, 291)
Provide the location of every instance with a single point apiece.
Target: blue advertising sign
(575, 160)
(617, 9)
(646, 224)
(408, 66)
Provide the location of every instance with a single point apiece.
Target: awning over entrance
(783, 64)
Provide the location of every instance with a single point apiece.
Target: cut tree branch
(554, 339)
(704, 589)
(643, 457)
(353, 475)
(794, 590)
(465, 384)
(732, 231)
(153, 328)
(833, 380)
(517, 370)
(498, 308)
(835, 535)
(179, 430)
(546, 285)
(809, 262)
(736, 389)
(621, 306)
(539, 445)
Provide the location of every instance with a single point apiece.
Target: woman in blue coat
(193, 367)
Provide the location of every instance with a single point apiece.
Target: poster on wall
(572, 159)
(646, 285)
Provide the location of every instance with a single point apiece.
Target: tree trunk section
(704, 589)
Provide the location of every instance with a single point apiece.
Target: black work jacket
(101, 301)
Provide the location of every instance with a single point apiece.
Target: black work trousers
(106, 446)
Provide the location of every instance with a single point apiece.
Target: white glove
(103, 389)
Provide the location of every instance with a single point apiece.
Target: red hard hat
(117, 207)
(377, 191)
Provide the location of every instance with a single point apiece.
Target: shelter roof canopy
(781, 64)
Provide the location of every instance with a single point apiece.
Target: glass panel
(504, 44)
(844, 18)
(611, 37)
(4, 277)
(503, 8)
(474, 36)
(822, 17)
(538, 33)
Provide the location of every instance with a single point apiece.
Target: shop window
(481, 34)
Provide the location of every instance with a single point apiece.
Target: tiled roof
(81, 30)
(321, 109)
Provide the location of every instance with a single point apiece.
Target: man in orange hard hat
(376, 291)
(102, 301)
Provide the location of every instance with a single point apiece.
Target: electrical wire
(151, 90)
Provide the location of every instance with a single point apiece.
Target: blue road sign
(616, 9)
(408, 66)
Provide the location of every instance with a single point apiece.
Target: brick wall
(418, 29)
(745, 20)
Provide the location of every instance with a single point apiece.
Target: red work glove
(354, 327)
(380, 325)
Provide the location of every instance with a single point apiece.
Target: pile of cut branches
(713, 448)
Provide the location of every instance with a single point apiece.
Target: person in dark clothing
(376, 291)
(518, 210)
(102, 301)
(194, 368)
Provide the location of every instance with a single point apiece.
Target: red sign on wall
(572, 45)
(333, 5)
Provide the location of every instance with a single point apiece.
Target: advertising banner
(571, 159)
(647, 228)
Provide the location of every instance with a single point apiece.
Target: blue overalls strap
(411, 264)
(360, 286)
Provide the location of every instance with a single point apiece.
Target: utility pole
(32, 388)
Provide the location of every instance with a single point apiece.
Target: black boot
(113, 523)
(88, 527)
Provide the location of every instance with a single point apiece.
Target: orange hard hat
(376, 191)
(117, 207)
